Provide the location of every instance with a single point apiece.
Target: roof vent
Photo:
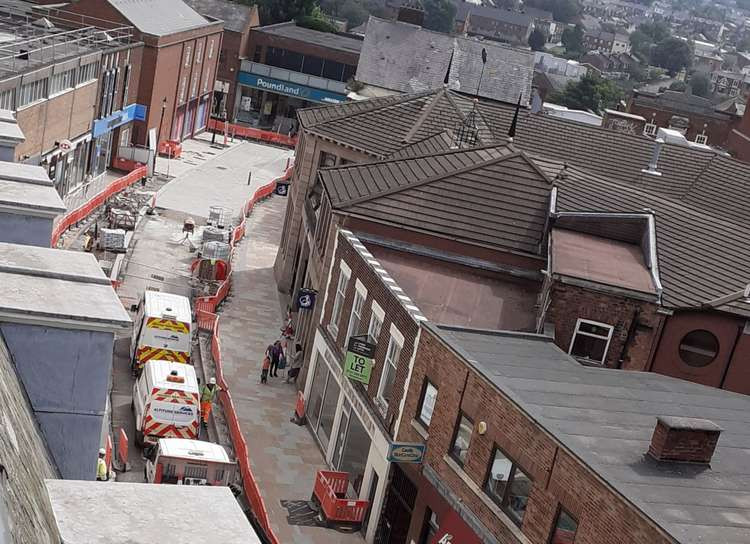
(654, 164)
(684, 440)
(175, 377)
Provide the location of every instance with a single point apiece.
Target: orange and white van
(166, 402)
(162, 329)
(189, 462)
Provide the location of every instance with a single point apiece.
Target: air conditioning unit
(194, 481)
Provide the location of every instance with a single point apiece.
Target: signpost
(359, 355)
(404, 452)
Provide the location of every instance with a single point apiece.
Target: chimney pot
(684, 440)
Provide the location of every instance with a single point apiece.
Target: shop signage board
(133, 112)
(290, 89)
(405, 452)
(306, 299)
(359, 355)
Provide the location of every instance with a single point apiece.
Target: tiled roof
(159, 17)
(236, 16)
(494, 196)
(435, 58)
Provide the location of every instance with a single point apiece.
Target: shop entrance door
(177, 125)
(188, 128)
(399, 504)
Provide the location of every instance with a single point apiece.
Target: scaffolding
(34, 36)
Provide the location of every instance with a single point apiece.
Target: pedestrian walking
(102, 474)
(295, 364)
(208, 393)
(264, 369)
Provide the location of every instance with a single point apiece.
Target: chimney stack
(411, 11)
(684, 440)
(654, 164)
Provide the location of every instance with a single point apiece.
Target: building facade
(288, 68)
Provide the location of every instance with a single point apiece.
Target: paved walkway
(284, 456)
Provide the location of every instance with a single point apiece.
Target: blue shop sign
(133, 112)
(290, 89)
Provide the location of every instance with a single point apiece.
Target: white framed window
(355, 318)
(8, 99)
(650, 129)
(188, 50)
(183, 89)
(376, 322)
(427, 403)
(590, 341)
(388, 377)
(344, 274)
(701, 139)
(62, 81)
(199, 53)
(88, 72)
(33, 92)
(211, 49)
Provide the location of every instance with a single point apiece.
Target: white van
(162, 329)
(189, 462)
(166, 402)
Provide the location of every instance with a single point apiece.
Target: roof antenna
(512, 129)
(481, 75)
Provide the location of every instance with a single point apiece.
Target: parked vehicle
(189, 462)
(162, 329)
(166, 402)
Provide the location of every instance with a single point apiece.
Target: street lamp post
(158, 136)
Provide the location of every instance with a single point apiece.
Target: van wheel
(139, 439)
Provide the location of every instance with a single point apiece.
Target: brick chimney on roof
(684, 440)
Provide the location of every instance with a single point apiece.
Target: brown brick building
(178, 67)
(523, 446)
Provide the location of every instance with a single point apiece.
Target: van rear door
(172, 413)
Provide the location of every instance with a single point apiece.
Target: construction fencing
(267, 136)
(83, 211)
(208, 320)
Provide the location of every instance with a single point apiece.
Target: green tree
(678, 86)
(589, 93)
(278, 11)
(700, 85)
(572, 39)
(537, 39)
(564, 11)
(673, 54)
(439, 15)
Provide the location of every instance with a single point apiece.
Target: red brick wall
(717, 129)
(394, 313)
(569, 303)
(558, 478)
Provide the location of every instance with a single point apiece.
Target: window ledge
(488, 502)
(417, 426)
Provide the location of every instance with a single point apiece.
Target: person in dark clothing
(274, 353)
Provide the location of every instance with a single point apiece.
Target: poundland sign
(290, 89)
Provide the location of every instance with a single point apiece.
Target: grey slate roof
(323, 39)
(492, 196)
(26, 459)
(236, 16)
(159, 17)
(606, 417)
(435, 58)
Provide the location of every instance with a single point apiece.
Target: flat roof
(606, 417)
(58, 288)
(307, 35)
(449, 292)
(26, 173)
(37, 199)
(600, 260)
(185, 448)
(129, 513)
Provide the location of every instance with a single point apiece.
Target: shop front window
(356, 449)
(328, 411)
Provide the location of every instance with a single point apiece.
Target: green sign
(358, 364)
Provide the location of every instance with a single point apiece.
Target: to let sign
(401, 452)
(359, 355)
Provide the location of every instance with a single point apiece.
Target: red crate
(330, 491)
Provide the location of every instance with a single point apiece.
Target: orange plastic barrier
(108, 453)
(100, 198)
(208, 320)
(122, 447)
(330, 488)
(251, 133)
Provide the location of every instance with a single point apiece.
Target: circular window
(698, 348)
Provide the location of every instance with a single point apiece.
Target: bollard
(122, 450)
